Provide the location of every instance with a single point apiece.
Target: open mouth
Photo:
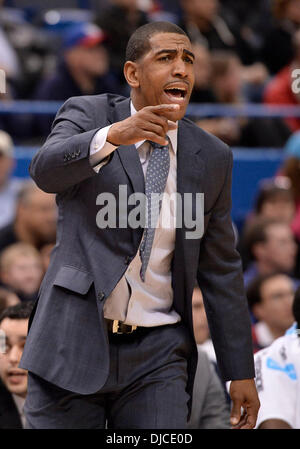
(176, 92)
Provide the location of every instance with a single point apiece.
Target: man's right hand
(149, 123)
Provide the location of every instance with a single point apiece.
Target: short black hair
(20, 311)
(296, 307)
(272, 190)
(138, 44)
(256, 232)
(254, 288)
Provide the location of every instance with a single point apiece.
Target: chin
(20, 390)
(178, 115)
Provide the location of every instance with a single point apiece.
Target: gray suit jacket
(210, 409)
(67, 342)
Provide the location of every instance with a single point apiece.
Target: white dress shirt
(133, 301)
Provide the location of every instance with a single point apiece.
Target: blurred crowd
(245, 53)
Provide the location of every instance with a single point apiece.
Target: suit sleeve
(221, 282)
(64, 159)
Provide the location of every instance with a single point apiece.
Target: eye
(189, 60)
(165, 58)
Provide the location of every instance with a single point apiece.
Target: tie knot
(157, 145)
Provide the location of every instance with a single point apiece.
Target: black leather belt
(118, 327)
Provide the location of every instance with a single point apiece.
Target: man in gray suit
(210, 409)
(111, 339)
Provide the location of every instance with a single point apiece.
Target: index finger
(162, 108)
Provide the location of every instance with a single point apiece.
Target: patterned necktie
(155, 183)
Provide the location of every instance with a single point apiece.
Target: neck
(135, 101)
(21, 395)
(264, 267)
(276, 333)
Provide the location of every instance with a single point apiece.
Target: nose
(14, 355)
(179, 68)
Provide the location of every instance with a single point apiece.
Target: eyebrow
(173, 51)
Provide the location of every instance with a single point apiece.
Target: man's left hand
(243, 394)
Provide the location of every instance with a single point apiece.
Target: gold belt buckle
(116, 328)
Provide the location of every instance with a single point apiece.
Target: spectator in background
(210, 409)
(224, 128)
(279, 91)
(119, 21)
(271, 246)
(7, 299)
(35, 221)
(13, 388)
(9, 186)
(291, 169)
(201, 329)
(202, 92)
(274, 200)
(277, 51)
(9, 61)
(21, 270)
(270, 299)
(277, 379)
(227, 81)
(253, 18)
(203, 23)
(83, 69)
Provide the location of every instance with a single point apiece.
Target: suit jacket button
(101, 296)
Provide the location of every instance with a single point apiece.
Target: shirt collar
(172, 134)
(19, 401)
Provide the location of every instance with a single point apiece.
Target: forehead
(170, 41)
(14, 327)
(278, 229)
(275, 283)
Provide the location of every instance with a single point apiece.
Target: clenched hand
(150, 123)
(243, 394)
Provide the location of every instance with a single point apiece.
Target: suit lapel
(190, 174)
(190, 177)
(190, 165)
(128, 154)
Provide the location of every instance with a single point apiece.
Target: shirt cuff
(100, 149)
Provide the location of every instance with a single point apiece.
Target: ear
(131, 74)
